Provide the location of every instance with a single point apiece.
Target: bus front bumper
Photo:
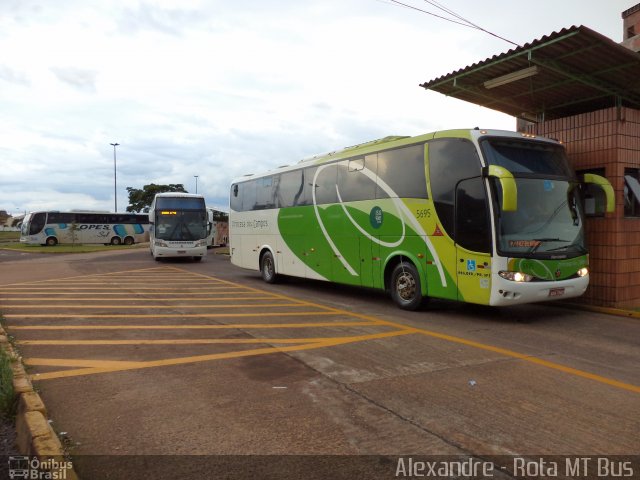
(505, 292)
(179, 251)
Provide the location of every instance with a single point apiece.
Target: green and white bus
(54, 227)
(481, 216)
(179, 226)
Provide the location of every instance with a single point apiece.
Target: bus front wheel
(268, 268)
(51, 242)
(128, 241)
(405, 285)
(116, 241)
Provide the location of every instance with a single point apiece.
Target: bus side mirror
(508, 184)
(606, 187)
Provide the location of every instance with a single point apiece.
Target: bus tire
(116, 241)
(406, 290)
(268, 268)
(129, 241)
(51, 242)
(197, 259)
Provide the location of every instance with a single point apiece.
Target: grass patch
(8, 397)
(9, 236)
(7, 393)
(68, 248)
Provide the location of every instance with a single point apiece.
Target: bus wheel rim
(406, 286)
(268, 267)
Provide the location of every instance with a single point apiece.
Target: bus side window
(236, 198)
(472, 216)
(325, 184)
(307, 180)
(402, 169)
(266, 192)
(352, 183)
(450, 160)
(37, 223)
(291, 189)
(249, 196)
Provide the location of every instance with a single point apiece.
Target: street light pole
(196, 177)
(115, 183)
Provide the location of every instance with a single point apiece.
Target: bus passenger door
(473, 241)
(370, 263)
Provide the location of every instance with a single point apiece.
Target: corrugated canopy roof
(572, 71)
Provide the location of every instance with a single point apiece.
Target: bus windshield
(527, 157)
(549, 218)
(26, 222)
(175, 226)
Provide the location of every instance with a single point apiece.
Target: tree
(140, 200)
(73, 232)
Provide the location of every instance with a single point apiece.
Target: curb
(607, 310)
(35, 437)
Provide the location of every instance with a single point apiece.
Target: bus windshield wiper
(564, 247)
(543, 240)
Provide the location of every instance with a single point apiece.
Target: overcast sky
(221, 88)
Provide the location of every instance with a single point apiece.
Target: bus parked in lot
(53, 227)
(179, 226)
(481, 216)
(219, 233)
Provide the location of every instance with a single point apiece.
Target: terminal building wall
(607, 141)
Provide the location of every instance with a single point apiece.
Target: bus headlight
(201, 243)
(583, 272)
(160, 243)
(515, 276)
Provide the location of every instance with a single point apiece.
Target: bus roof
(387, 143)
(179, 194)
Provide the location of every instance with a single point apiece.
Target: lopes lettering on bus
(94, 227)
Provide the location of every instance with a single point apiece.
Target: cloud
(170, 21)
(13, 76)
(219, 89)
(78, 78)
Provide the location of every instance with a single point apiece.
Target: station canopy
(573, 71)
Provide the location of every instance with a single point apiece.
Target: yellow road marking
(194, 327)
(325, 311)
(512, 354)
(96, 275)
(123, 299)
(144, 295)
(125, 288)
(482, 346)
(179, 341)
(203, 358)
(73, 362)
(151, 307)
(536, 360)
(169, 315)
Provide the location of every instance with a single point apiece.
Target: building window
(595, 201)
(631, 32)
(631, 192)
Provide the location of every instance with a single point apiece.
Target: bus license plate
(556, 292)
(184, 251)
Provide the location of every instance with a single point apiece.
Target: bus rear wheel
(268, 268)
(406, 290)
(51, 242)
(116, 241)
